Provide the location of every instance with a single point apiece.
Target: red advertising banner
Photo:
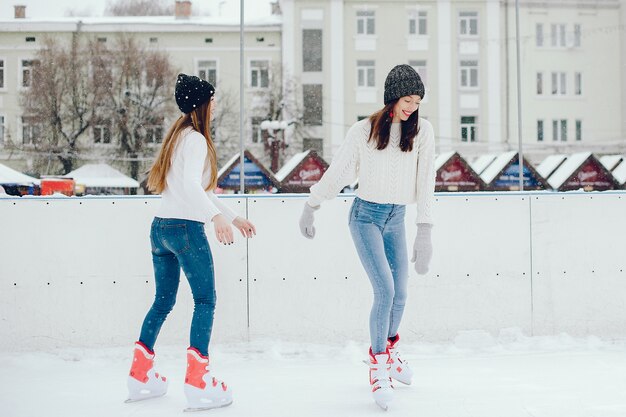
(591, 175)
(456, 175)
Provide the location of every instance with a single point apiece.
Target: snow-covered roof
(290, 165)
(228, 164)
(101, 175)
(482, 162)
(567, 169)
(611, 161)
(619, 173)
(547, 167)
(496, 166)
(11, 176)
(442, 159)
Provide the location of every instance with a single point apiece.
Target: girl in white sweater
(185, 173)
(392, 154)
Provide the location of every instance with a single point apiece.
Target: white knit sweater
(387, 176)
(184, 196)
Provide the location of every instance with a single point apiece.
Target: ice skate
(382, 390)
(400, 370)
(202, 390)
(143, 381)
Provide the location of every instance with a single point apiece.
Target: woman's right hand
(223, 230)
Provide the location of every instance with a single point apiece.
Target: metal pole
(241, 100)
(519, 101)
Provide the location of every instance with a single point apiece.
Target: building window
(365, 22)
(312, 103)
(259, 74)
(207, 70)
(559, 83)
(366, 74)
(468, 128)
(311, 50)
(557, 35)
(102, 40)
(539, 130)
(468, 23)
(555, 130)
(255, 125)
(559, 130)
(1, 130)
(1, 73)
(154, 131)
(419, 65)
(579, 130)
(418, 23)
(27, 72)
(577, 35)
(315, 144)
(469, 74)
(154, 40)
(539, 34)
(578, 83)
(30, 130)
(563, 130)
(540, 83)
(102, 132)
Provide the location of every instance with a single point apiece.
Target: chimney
(20, 12)
(275, 5)
(183, 9)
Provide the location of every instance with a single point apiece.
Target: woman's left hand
(245, 226)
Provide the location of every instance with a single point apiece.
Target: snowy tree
(139, 8)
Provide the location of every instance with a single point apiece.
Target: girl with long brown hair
(185, 174)
(392, 153)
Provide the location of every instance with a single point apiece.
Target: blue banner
(254, 176)
(510, 177)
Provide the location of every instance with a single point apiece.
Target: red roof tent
(582, 170)
(301, 172)
(455, 174)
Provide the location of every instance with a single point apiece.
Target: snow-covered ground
(477, 375)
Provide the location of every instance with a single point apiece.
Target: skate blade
(193, 409)
(134, 400)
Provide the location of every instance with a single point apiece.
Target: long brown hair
(381, 128)
(200, 121)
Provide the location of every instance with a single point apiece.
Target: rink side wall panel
(77, 272)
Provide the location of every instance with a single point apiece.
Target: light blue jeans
(379, 236)
(180, 243)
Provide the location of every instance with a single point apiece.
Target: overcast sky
(59, 8)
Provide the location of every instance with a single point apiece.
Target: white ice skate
(203, 391)
(382, 390)
(400, 370)
(143, 381)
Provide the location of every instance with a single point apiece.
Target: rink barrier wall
(77, 272)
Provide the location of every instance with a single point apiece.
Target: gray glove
(422, 248)
(306, 221)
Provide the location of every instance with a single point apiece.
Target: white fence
(78, 272)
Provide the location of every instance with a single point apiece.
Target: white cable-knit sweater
(387, 176)
(184, 196)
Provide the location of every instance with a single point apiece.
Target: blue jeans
(180, 243)
(379, 236)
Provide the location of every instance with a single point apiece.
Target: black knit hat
(402, 81)
(192, 92)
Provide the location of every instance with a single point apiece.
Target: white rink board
(78, 272)
(579, 263)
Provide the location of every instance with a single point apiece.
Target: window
(558, 83)
(418, 23)
(366, 74)
(539, 34)
(576, 35)
(1, 73)
(578, 83)
(555, 130)
(312, 101)
(30, 130)
(255, 124)
(311, 50)
(420, 66)
(539, 130)
(469, 74)
(207, 70)
(579, 130)
(102, 40)
(365, 22)
(259, 74)
(540, 83)
(559, 130)
(557, 35)
(313, 143)
(1, 130)
(154, 40)
(102, 131)
(27, 72)
(563, 130)
(468, 128)
(468, 23)
(154, 131)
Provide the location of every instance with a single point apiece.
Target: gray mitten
(422, 248)
(306, 221)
